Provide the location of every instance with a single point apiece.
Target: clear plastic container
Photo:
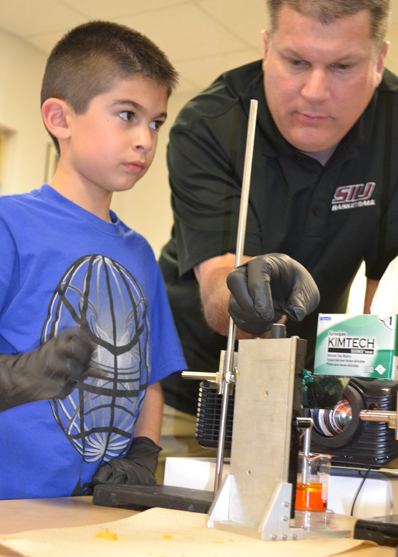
(312, 491)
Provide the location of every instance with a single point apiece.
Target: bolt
(286, 504)
(285, 518)
(274, 537)
(294, 536)
(284, 537)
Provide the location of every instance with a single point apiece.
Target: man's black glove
(51, 371)
(137, 467)
(268, 286)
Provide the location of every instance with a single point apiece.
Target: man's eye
(156, 125)
(297, 63)
(341, 67)
(126, 115)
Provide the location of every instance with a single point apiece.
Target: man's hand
(267, 287)
(51, 371)
(137, 467)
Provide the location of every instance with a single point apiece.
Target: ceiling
(202, 38)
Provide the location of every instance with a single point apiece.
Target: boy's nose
(316, 86)
(142, 139)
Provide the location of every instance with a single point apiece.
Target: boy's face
(112, 145)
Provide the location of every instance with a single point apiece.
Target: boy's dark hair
(89, 58)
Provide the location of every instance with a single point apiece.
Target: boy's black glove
(137, 467)
(268, 286)
(51, 371)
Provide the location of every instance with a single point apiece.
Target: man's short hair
(326, 11)
(88, 60)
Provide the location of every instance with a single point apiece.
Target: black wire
(359, 490)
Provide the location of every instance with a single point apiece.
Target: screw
(274, 537)
(286, 504)
(284, 537)
(285, 518)
(294, 536)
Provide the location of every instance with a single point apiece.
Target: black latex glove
(51, 371)
(268, 286)
(137, 467)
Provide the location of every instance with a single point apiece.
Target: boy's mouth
(136, 167)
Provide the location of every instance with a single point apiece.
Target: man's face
(112, 144)
(318, 79)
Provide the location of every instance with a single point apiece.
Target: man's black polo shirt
(328, 218)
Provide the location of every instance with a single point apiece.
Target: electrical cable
(359, 490)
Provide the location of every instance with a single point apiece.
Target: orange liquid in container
(309, 497)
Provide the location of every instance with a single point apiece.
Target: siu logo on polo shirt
(350, 197)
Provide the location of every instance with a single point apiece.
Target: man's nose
(316, 86)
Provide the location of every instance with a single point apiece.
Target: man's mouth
(311, 118)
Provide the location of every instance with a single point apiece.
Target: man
(323, 174)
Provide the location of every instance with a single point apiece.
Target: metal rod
(247, 171)
(199, 375)
(240, 242)
(377, 415)
(390, 418)
(306, 453)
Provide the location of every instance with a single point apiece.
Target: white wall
(392, 54)
(21, 71)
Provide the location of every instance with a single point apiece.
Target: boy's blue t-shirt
(61, 267)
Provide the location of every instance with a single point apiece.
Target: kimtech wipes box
(357, 345)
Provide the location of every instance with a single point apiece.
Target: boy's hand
(267, 287)
(137, 467)
(51, 371)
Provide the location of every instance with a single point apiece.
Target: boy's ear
(55, 116)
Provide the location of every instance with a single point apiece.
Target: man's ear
(265, 36)
(381, 58)
(55, 116)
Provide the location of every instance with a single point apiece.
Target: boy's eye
(126, 115)
(156, 124)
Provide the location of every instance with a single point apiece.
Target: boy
(85, 402)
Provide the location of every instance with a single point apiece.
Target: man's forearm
(214, 295)
(371, 287)
(212, 277)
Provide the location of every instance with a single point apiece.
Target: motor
(342, 433)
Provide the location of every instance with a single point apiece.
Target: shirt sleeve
(9, 278)
(9, 275)
(167, 356)
(205, 161)
(384, 246)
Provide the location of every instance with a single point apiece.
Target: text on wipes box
(357, 345)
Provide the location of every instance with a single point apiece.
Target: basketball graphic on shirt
(105, 300)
